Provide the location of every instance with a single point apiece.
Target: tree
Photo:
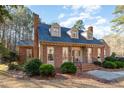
(118, 21)
(79, 25)
(19, 28)
(4, 12)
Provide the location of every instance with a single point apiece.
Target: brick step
(86, 67)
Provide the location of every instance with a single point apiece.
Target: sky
(66, 15)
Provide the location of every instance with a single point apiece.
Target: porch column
(102, 54)
(94, 53)
(84, 54)
(69, 53)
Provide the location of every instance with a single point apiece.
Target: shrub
(14, 66)
(112, 59)
(109, 64)
(12, 56)
(120, 59)
(97, 63)
(119, 64)
(47, 70)
(32, 67)
(113, 55)
(68, 67)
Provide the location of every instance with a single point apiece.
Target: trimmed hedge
(97, 63)
(32, 67)
(119, 64)
(112, 59)
(47, 70)
(68, 67)
(109, 64)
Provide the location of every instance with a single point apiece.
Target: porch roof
(24, 43)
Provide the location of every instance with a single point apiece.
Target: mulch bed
(59, 76)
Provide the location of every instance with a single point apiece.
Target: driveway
(107, 75)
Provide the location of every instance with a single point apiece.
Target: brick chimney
(36, 38)
(90, 33)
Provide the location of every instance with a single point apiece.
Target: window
(50, 53)
(55, 30)
(29, 53)
(74, 34)
(65, 54)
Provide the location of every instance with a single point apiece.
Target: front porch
(58, 53)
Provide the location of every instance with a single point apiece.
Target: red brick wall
(58, 56)
(44, 54)
(22, 53)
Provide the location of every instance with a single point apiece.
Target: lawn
(69, 81)
(3, 67)
(7, 80)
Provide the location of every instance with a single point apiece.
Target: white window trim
(65, 49)
(48, 61)
(76, 35)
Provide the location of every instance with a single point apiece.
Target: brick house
(54, 44)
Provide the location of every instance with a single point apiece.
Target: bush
(109, 64)
(120, 59)
(12, 56)
(32, 67)
(97, 63)
(47, 70)
(68, 67)
(14, 66)
(112, 59)
(9, 57)
(119, 64)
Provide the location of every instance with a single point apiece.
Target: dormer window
(55, 30)
(74, 33)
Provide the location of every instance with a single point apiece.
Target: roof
(44, 35)
(24, 43)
